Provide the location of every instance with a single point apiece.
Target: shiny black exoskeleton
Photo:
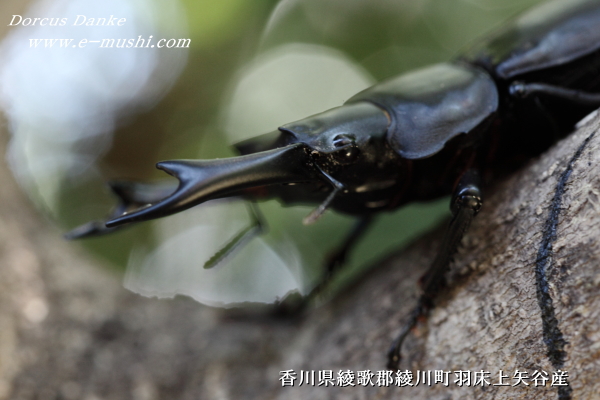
(445, 129)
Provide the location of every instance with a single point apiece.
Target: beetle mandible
(446, 129)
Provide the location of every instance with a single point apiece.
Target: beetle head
(339, 147)
(348, 144)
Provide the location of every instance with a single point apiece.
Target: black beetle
(446, 129)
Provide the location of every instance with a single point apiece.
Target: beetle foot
(291, 306)
(394, 354)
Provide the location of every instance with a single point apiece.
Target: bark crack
(552, 335)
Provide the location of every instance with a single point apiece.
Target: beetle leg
(256, 227)
(552, 124)
(522, 90)
(333, 264)
(337, 258)
(465, 204)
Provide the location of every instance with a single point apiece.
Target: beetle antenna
(318, 212)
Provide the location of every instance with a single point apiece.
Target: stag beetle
(447, 129)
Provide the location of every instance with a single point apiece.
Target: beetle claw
(130, 195)
(90, 229)
(179, 169)
(201, 180)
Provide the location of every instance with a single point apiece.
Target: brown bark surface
(69, 331)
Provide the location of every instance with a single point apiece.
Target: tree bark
(69, 331)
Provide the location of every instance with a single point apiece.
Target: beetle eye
(346, 149)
